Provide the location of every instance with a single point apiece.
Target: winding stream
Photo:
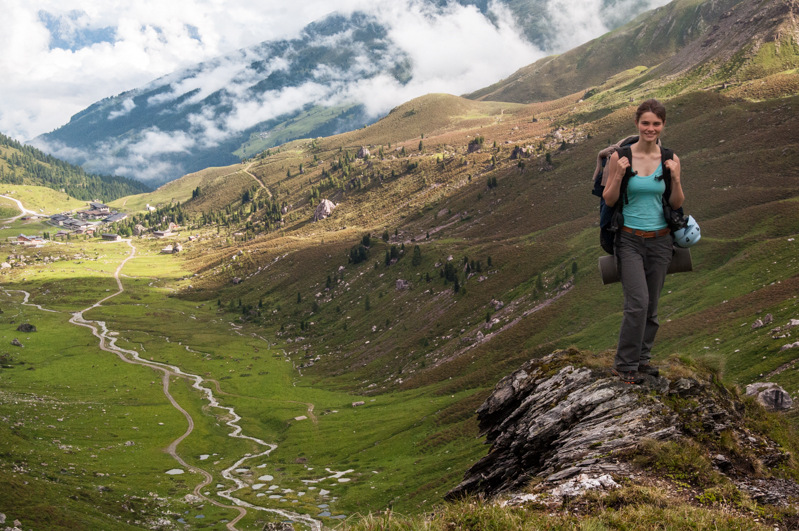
(108, 344)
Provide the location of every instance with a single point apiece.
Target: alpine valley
(318, 336)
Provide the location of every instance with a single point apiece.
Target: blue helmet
(688, 235)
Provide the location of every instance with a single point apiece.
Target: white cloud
(127, 106)
(454, 49)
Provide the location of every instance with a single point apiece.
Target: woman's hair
(653, 106)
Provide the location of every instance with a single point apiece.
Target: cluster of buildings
(86, 221)
(90, 222)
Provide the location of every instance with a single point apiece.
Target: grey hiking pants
(644, 262)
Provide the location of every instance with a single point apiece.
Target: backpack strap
(666, 154)
(626, 151)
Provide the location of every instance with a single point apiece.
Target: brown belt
(647, 234)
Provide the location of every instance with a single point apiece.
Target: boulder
(363, 152)
(402, 284)
(770, 395)
(236, 280)
(323, 210)
(16, 342)
(279, 526)
(359, 403)
(5, 265)
(26, 327)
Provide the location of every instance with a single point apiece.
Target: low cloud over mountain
(339, 73)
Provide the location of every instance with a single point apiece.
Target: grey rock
(363, 152)
(541, 422)
(770, 395)
(129, 443)
(402, 284)
(236, 280)
(16, 342)
(2, 518)
(279, 526)
(685, 387)
(359, 403)
(564, 474)
(323, 210)
(26, 327)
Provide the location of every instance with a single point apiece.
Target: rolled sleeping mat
(680, 263)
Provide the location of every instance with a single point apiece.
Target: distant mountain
(234, 106)
(20, 164)
(699, 42)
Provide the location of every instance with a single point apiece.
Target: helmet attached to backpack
(688, 235)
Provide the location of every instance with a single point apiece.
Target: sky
(61, 56)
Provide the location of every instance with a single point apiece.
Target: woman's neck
(647, 147)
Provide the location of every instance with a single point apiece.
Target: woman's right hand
(622, 164)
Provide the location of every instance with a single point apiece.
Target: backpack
(611, 219)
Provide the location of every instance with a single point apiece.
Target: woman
(645, 246)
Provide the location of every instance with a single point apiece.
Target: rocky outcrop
(324, 209)
(26, 327)
(16, 343)
(363, 152)
(560, 422)
(770, 395)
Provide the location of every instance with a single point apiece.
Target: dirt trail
(247, 171)
(22, 208)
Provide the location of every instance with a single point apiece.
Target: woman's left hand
(673, 165)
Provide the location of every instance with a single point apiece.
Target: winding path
(108, 344)
(22, 208)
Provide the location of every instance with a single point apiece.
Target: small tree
(299, 297)
(539, 283)
(385, 235)
(574, 268)
(421, 145)
(366, 304)
(489, 261)
(417, 256)
(457, 286)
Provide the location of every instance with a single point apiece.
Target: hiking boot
(649, 370)
(629, 377)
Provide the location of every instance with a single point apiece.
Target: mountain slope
(338, 75)
(22, 164)
(747, 38)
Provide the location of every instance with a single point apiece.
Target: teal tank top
(644, 211)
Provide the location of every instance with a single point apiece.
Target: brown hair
(653, 106)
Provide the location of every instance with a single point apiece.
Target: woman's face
(649, 126)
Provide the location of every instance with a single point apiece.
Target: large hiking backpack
(611, 219)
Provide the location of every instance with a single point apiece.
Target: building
(115, 217)
(29, 240)
(112, 237)
(162, 233)
(100, 207)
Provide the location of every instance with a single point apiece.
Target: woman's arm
(616, 170)
(677, 196)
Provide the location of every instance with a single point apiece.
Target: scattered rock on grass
(26, 327)
(279, 526)
(770, 395)
(356, 404)
(16, 342)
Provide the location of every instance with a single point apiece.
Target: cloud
(127, 106)
(60, 57)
